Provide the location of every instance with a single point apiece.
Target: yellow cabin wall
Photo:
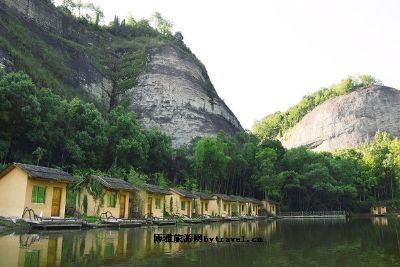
(176, 204)
(212, 207)
(16, 194)
(12, 193)
(221, 211)
(270, 207)
(93, 205)
(245, 208)
(44, 209)
(142, 202)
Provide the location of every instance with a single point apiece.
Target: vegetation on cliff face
(30, 53)
(67, 62)
(277, 124)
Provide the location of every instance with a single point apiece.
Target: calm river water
(361, 242)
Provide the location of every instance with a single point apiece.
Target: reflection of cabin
(224, 203)
(255, 206)
(271, 206)
(150, 201)
(239, 206)
(378, 209)
(39, 188)
(31, 250)
(206, 204)
(180, 202)
(117, 193)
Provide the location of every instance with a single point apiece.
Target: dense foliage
(275, 125)
(40, 127)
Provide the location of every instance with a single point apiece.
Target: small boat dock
(53, 224)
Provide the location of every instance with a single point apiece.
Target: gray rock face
(41, 12)
(173, 95)
(348, 120)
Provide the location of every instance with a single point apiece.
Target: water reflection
(382, 221)
(110, 247)
(363, 242)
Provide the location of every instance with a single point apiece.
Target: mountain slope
(348, 120)
(160, 79)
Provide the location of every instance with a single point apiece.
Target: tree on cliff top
(161, 24)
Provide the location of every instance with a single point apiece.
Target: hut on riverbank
(239, 205)
(38, 188)
(181, 202)
(206, 204)
(224, 203)
(270, 206)
(254, 206)
(100, 194)
(379, 209)
(150, 201)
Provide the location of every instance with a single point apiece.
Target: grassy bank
(7, 225)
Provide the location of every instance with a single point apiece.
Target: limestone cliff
(172, 92)
(173, 95)
(348, 120)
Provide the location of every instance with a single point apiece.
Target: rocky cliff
(175, 95)
(348, 120)
(172, 92)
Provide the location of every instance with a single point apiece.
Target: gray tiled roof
(254, 200)
(156, 189)
(40, 172)
(184, 192)
(240, 199)
(224, 197)
(114, 183)
(203, 195)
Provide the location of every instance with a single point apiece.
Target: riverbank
(8, 225)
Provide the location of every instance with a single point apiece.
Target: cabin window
(38, 194)
(32, 258)
(183, 205)
(158, 203)
(206, 206)
(224, 207)
(112, 199)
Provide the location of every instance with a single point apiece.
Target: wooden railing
(313, 213)
(32, 214)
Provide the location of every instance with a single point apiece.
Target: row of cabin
(44, 191)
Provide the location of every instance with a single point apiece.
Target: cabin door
(56, 202)
(188, 208)
(202, 205)
(150, 206)
(122, 202)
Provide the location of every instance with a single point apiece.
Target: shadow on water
(363, 242)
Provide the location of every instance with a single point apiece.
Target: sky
(264, 55)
